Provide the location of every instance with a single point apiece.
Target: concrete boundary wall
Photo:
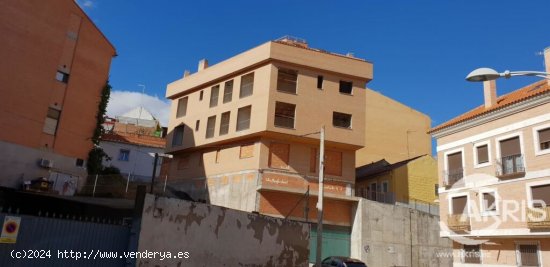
(217, 236)
(389, 235)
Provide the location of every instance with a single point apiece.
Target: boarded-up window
(182, 107)
(284, 114)
(177, 138)
(313, 160)
(454, 161)
(247, 151)
(489, 203)
(183, 162)
(279, 155)
(541, 194)
(482, 154)
(214, 94)
(286, 80)
(510, 147)
(243, 118)
(247, 85)
(228, 91)
(210, 126)
(224, 123)
(529, 255)
(52, 121)
(333, 163)
(472, 254)
(459, 205)
(544, 139)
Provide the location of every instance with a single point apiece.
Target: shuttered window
(286, 80)
(284, 114)
(52, 121)
(243, 118)
(454, 161)
(489, 202)
(210, 126)
(224, 123)
(544, 139)
(247, 85)
(459, 205)
(482, 154)
(228, 92)
(214, 94)
(540, 193)
(510, 147)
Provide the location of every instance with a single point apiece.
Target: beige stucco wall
(393, 131)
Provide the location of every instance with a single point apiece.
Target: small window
(346, 87)
(201, 94)
(124, 155)
(228, 92)
(52, 121)
(79, 163)
(436, 189)
(62, 77)
(214, 93)
(544, 139)
(224, 123)
(482, 154)
(341, 120)
(459, 205)
(243, 118)
(177, 139)
(182, 107)
(247, 85)
(319, 82)
(385, 187)
(197, 125)
(210, 126)
(472, 254)
(489, 203)
(286, 80)
(313, 160)
(284, 114)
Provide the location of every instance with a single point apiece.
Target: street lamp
(488, 74)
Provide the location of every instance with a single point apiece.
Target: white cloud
(124, 101)
(86, 3)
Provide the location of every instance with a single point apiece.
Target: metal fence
(63, 240)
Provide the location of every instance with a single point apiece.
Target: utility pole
(320, 198)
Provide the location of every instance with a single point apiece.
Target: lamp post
(320, 198)
(488, 74)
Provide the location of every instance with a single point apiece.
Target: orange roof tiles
(134, 139)
(520, 95)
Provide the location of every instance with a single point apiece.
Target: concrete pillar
(490, 93)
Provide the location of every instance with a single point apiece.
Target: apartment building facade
(55, 62)
(494, 164)
(244, 133)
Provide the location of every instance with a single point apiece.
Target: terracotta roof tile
(520, 95)
(134, 139)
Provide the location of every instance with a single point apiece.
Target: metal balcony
(538, 219)
(510, 167)
(453, 176)
(458, 222)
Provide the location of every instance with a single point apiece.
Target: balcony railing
(453, 176)
(510, 167)
(538, 219)
(383, 197)
(458, 222)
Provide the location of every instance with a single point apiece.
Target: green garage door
(336, 241)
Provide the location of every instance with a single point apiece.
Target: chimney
(490, 93)
(186, 73)
(547, 61)
(203, 64)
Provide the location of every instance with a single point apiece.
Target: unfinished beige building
(245, 132)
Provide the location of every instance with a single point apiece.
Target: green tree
(96, 154)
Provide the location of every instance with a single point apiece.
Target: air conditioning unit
(46, 163)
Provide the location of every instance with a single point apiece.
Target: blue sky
(421, 50)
